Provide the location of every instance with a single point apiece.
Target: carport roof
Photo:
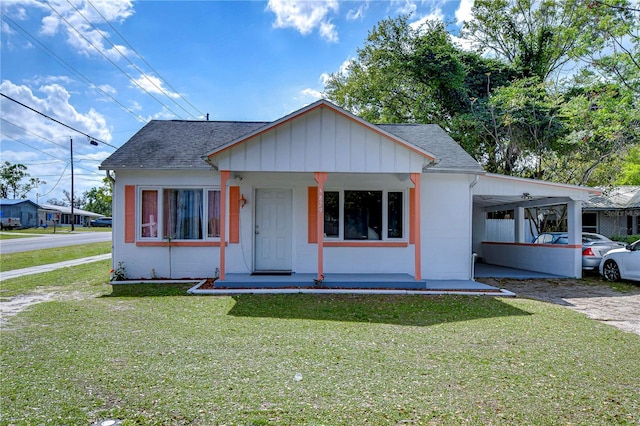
(499, 192)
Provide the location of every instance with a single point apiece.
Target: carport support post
(224, 177)
(415, 178)
(321, 178)
(574, 225)
(519, 221)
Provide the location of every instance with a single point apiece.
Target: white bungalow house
(318, 192)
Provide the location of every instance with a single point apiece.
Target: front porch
(344, 283)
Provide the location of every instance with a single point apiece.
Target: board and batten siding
(321, 140)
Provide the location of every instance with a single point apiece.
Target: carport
(511, 196)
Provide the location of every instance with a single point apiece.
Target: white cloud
(305, 16)
(435, 15)
(356, 14)
(312, 93)
(54, 102)
(343, 69)
(6, 29)
(107, 88)
(404, 7)
(328, 31)
(43, 145)
(152, 84)
(463, 12)
(82, 24)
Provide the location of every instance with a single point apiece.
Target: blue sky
(106, 67)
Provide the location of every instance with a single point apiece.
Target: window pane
(394, 215)
(149, 219)
(331, 214)
(590, 222)
(183, 214)
(362, 215)
(213, 207)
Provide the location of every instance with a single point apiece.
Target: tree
(630, 168)
(617, 56)
(98, 200)
(78, 202)
(11, 181)
(402, 74)
(519, 127)
(537, 37)
(405, 74)
(506, 111)
(603, 122)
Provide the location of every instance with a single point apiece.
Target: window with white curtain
(186, 213)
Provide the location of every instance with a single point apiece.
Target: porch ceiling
(508, 202)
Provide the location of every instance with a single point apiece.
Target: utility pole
(73, 219)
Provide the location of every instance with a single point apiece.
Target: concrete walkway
(15, 273)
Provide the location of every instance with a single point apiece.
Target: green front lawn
(152, 355)
(26, 259)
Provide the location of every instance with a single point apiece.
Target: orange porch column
(415, 226)
(224, 177)
(321, 178)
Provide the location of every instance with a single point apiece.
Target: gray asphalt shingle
(619, 197)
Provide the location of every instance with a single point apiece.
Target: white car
(622, 263)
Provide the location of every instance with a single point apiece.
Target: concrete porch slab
(346, 283)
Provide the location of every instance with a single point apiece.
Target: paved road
(64, 238)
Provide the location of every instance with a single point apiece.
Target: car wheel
(611, 271)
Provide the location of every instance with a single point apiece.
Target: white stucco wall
(150, 262)
(197, 262)
(446, 226)
(558, 260)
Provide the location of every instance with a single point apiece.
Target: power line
(160, 89)
(59, 122)
(47, 153)
(56, 184)
(144, 60)
(62, 62)
(109, 59)
(46, 139)
(31, 133)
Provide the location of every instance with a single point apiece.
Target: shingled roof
(174, 144)
(450, 156)
(619, 197)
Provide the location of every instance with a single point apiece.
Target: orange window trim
(234, 214)
(312, 220)
(366, 244)
(129, 213)
(178, 244)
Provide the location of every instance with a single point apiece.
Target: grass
(4, 235)
(152, 355)
(59, 254)
(61, 230)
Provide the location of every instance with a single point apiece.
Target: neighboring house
(25, 210)
(616, 212)
(320, 192)
(62, 215)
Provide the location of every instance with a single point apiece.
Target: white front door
(273, 230)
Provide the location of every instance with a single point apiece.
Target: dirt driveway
(596, 299)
